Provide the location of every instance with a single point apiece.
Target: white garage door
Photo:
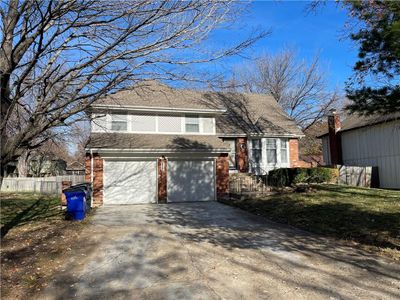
(190, 180)
(130, 182)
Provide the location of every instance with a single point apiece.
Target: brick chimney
(335, 145)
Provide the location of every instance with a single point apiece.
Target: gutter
(159, 109)
(102, 150)
(261, 135)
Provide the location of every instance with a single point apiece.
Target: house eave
(261, 135)
(158, 109)
(161, 151)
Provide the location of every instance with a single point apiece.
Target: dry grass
(370, 217)
(36, 242)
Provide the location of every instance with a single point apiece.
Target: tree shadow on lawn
(15, 212)
(337, 219)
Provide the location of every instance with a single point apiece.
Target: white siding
(153, 123)
(99, 123)
(377, 145)
(208, 124)
(170, 124)
(143, 123)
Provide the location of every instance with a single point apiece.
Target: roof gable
(244, 113)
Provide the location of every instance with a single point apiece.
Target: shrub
(289, 176)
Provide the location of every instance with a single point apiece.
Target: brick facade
(242, 155)
(98, 187)
(162, 179)
(294, 153)
(335, 145)
(222, 174)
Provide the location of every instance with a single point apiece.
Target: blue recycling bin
(76, 203)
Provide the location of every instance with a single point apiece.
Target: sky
(308, 33)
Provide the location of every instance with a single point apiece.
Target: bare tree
(299, 87)
(58, 57)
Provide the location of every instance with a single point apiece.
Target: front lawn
(35, 242)
(368, 216)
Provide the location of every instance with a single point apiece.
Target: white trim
(158, 109)
(214, 126)
(156, 124)
(103, 150)
(157, 132)
(259, 135)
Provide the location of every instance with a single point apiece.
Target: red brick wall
(162, 180)
(222, 174)
(97, 177)
(242, 155)
(294, 153)
(335, 145)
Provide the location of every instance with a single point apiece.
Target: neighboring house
(155, 144)
(311, 147)
(47, 165)
(365, 141)
(75, 168)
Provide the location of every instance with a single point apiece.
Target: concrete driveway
(213, 251)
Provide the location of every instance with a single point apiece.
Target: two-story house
(155, 144)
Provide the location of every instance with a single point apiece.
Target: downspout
(91, 177)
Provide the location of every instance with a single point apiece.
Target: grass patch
(20, 208)
(36, 242)
(368, 216)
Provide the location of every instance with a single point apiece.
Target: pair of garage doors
(135, 182)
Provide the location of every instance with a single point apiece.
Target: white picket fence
(47, 185)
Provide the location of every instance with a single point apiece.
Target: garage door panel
(190, 181)
(130, 182)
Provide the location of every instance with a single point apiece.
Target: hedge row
(290, 176)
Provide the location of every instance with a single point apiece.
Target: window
(192, 124)
(119, 122)
(271, 151)
(284, 158)
(256, 151)
(232, 153)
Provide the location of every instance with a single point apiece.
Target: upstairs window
(192, 123)
(119, 122)
(284, 153)
(271, 151)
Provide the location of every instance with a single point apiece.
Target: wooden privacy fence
(358, 176)
(47, 185)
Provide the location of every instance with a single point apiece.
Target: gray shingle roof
(202, 143)
(356, 121)
(155, 94)
(253, 114)
(245, 113)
